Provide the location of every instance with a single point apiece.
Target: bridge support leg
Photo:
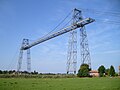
(24, 43)
(20, 61)
(85, 53)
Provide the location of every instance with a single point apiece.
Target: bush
(112, 71)
(101, 71)
(83, 71)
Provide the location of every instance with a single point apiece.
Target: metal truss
(72, 47)
(24, 44)
(78, 22)
(85, 53)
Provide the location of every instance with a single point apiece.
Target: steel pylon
(24, 43)
(72, 44)
(85, 53)
(72, 52)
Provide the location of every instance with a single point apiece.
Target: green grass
(60, 83)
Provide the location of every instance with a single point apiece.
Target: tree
(1, 72)
(5, 72)
(112, 71)
(10, 72)
(101, 70)
(83, 71)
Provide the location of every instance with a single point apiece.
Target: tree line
(84, 71)
(109, 71)
(15, 72)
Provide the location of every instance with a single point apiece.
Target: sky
(33, 19)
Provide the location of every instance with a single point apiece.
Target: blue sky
(33, 19)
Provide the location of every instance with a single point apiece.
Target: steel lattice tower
(24, 43)
(72, 45)
(72, 52)
(85, 54)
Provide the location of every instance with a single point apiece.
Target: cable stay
(60, 32)
(59, 24)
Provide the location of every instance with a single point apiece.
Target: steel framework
(72, 47)
(24, 44)
(85, 53)
(78, 22)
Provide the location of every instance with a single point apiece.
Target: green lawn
(60, 84)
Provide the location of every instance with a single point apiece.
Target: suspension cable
(58, 24)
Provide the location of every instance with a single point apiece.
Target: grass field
(60, 83)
